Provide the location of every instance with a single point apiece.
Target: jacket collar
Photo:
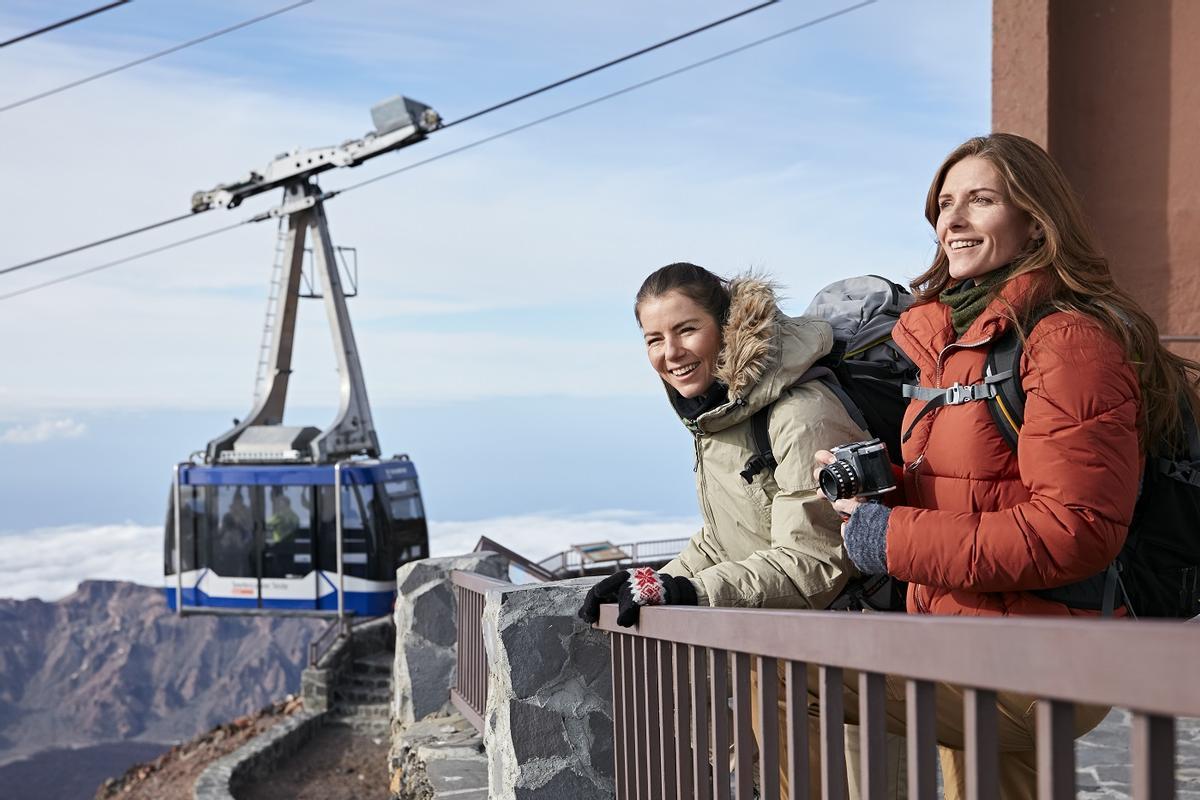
(763, 352)
(925, 329)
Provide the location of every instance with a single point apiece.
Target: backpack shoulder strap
(1007, 406)
(760, 436)
(760, 433)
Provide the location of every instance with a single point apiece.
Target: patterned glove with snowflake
(632, 589)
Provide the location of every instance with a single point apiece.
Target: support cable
(96, 243)
(127, 259)
(608, 64)
(602, 98)
(62, 23)
(490, 109)
(206, 37)
(470, 145)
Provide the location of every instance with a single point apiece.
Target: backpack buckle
(958, 394)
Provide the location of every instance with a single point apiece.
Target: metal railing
(337, 628)
(674, 676)
(573, 562)
(469, 694)
(531, 568)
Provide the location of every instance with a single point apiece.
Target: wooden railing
(677, 676)
(469, 694)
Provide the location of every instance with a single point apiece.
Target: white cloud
(43, 431)
(49, 563)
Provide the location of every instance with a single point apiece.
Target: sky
(494, 315)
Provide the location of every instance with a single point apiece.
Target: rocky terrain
(110, 664)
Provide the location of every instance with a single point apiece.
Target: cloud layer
(48, 563)
(42, 431)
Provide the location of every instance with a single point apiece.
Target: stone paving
(1103, 759)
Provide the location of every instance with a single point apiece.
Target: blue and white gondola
(265, 536)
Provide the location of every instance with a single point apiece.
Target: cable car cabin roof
(294, 474)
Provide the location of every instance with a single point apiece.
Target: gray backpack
(866, 370)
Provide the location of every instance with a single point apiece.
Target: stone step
(374, 664)
(369, 696)
(364, 683)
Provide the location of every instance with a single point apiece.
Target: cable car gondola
(280, 519)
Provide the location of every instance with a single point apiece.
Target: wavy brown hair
(1073, 276)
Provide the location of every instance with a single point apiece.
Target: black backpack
(1157, 569)
(866, 371)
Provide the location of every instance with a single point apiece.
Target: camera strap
(951, 396)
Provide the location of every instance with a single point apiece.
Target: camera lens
(838, 481)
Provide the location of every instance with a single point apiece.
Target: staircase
(362, 695)
(351, 682)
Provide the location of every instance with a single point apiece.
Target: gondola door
(289, 577)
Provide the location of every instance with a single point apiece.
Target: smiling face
(682, 341)
(978, 226)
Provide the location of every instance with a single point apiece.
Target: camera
(862, 469)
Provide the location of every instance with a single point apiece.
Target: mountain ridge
(110, 662)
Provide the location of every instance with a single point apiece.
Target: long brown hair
(1074, 276)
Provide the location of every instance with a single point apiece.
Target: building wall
(1112, 89)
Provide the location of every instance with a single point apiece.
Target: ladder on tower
(273, 293)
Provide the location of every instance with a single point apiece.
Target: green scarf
(968, 299)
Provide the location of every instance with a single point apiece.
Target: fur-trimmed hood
(763, 351)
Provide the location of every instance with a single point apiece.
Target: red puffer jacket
(984, 525)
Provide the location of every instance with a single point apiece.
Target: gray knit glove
(866, 538)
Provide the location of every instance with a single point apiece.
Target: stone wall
(548, 731)
(426, 631)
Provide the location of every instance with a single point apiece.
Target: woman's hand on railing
(631, 590)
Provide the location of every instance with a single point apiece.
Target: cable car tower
(299, 519)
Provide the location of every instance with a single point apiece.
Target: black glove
(632, 590)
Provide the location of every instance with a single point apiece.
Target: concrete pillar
(1112, 90)
(427, 630)
(548, 727)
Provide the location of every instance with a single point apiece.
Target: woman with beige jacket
(724, 350)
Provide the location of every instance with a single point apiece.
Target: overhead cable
(126, 259)
(564, 112)
(97, 243)
(62, 23)
(588, 103)
(153, 56)
(608, 64)
(488, 110)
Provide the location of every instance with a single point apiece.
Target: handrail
(318, 647)
(572, 557)
(1067, 659)
(470, 691)
(682, 689)
(532, 567)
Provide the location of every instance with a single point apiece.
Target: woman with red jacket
(985, 530)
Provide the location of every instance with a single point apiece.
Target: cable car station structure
(284, 519)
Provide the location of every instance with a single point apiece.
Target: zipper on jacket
(702, 482)
(937, 375)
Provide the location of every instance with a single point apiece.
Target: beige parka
(774, 542)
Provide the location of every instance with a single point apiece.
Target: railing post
(337, 523)
(178, 543)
